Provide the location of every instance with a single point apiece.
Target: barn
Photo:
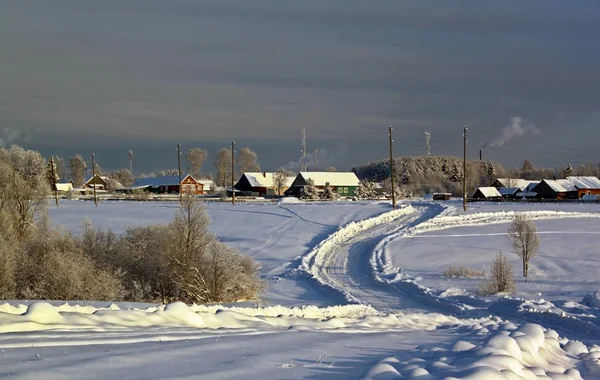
(559, 189)
(487, 193)
(343, 183)
(261, 184)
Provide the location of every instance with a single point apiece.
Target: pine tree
(310, 190)
(328, 192)
(490, 173)
(365, 190)
(51, 174)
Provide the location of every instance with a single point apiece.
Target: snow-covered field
(419, 324)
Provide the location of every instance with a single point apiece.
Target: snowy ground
(419, 325)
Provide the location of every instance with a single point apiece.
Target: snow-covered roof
(265, 179)
(560, 185)
(64, 186)
(585, 182)
(334, 178)
(489, 192)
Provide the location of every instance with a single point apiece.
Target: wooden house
(261, 184)
(559, 189)
(343, 183)
(487, 193)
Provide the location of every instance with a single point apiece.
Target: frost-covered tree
(123, 176)
(330, 169)
(247, 161)
(310, 190)
(280, 179)
(77, 169)
(523, 236)
(60, 167)
(490, 173)
(366, 190)
(568, 171)
(328, 192)
(223, 167)
(195, 159)
(23, 187)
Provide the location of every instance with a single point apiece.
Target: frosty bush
(53, 265)
(523, 236)
(457, 271)
(501, 279)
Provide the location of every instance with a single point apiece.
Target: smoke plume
(10, 135)
(515, 129)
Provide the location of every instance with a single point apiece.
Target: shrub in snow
(457, 271)
(53, 265)
(522, 234)
(501, 279)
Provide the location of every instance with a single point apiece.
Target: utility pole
(131, 163)
(316, 154)
(303, 163)
(179, 171)
(232, 173)
(480, 155)
(465, 169)
(53, 174)
(94, 179)
(392, 170)
(427, 138)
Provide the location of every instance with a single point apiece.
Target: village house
(343, 183)
(261, 184)
(97, 181)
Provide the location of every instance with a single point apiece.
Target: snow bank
(483, 218)
(592, 299)
(42, 316)
(286, 200)
(495, 350)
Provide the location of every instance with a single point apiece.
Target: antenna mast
(427, 138)
(316, 154)
(303, 163)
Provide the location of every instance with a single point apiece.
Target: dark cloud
(117, 73)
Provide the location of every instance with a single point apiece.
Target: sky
(82, 76)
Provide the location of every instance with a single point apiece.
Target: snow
(582, 182)
(355, 291)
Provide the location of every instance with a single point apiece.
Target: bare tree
(280, 179)
(247, 161)
(77, 169)
(522, 234)
(196, 158)
(23, 186)
(223, 167)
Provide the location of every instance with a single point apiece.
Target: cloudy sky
(112, 75)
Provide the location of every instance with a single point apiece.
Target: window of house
(345, 190)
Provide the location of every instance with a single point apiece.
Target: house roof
(560, 185)
(168, 180)
(489, 192)
(334, 178)
(509, 190)
(264, 179)
(103, 178)
(585, 182)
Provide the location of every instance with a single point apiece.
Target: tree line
(181, 260)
